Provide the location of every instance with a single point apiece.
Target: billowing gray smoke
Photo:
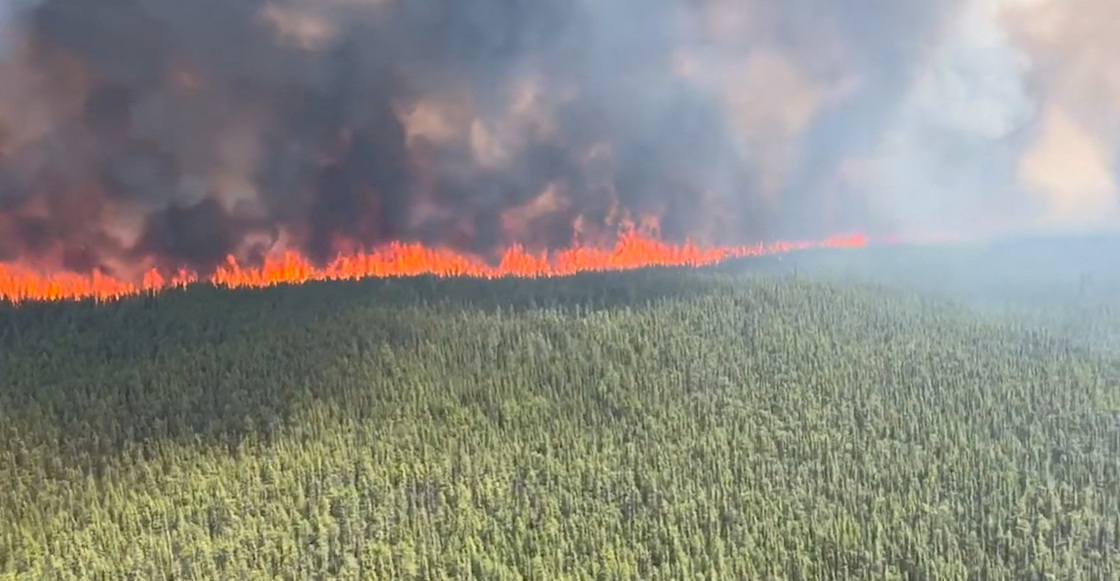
(183, 131)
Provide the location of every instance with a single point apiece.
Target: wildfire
(632, 250)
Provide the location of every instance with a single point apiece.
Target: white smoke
(948, 160)
(1012, 124)
(1071, 165)
(1009, 118)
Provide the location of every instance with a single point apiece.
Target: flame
(632, 250)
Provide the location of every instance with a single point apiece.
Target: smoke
(141, 132)
(1073, 160)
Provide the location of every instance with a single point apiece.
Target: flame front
(632, 250)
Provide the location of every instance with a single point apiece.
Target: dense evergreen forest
(733, 423)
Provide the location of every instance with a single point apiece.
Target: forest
(740, 422)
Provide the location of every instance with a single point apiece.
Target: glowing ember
(632, 251)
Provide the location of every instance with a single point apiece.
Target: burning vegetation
(146, 141)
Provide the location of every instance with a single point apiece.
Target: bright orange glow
(20, 283)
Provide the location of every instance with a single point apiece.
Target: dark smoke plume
(183, 131)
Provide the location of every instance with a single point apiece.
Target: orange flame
(632, 250)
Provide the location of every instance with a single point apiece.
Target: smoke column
(178, 132)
